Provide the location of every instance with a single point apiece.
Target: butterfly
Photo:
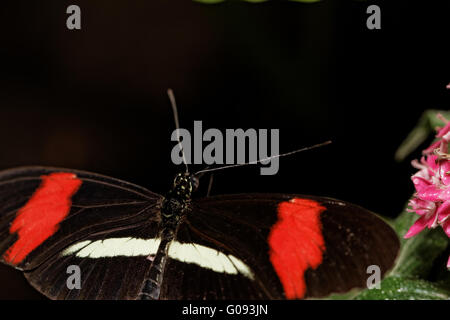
(131, 243)
(82, 235)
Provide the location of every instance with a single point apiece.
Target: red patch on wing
(39, 218)
(296, 243)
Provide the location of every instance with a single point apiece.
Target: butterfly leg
(210, 184)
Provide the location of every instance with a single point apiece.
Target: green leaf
(308, 1)
(352, 294)
(399, 288)
(443, 277)
(424, 128)
(252, 1)
(418, 253)
(414, 262)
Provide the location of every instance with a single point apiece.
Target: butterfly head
(185, 184)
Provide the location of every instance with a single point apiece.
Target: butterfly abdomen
(152, 285)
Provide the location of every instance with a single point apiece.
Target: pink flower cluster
(432, 182)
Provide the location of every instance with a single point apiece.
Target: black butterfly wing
(227, 247)
(43, 211)
(218, 271)
(290, 246)
(115, 275)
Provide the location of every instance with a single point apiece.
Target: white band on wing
(200, 255)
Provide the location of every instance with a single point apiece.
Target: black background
(95, 99)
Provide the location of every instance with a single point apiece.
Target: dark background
(95, 99)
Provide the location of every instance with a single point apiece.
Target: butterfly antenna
(264, 159)
(177, 123)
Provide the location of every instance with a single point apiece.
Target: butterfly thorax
(177, 199)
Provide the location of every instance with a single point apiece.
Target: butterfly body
(173, 208)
